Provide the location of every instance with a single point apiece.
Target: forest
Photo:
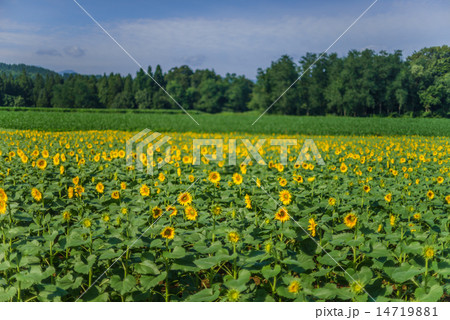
(361, 83)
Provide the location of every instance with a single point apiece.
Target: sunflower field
(78, 224)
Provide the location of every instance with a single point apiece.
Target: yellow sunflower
(41, 164)
(233, 237)
(237, 179)
(100, 187)
(430, 195)
(156, 212)
(172, 210)
(388, 197)
(429, 253)
(312, 227)
(36, 194)
(214, 177)
(248, 202)
(2, 207)
(144, 190)
(332, 201)
(294, 286)
(282, 215)
(66, 216)
(185, 199)
(168, 233)
(191, 213)
(115, 194)
(285, 197)
(3, 195)
(350, 220)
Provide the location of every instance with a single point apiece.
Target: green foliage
(362, 83)
(177, 121)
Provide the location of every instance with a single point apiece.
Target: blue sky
(227, 36)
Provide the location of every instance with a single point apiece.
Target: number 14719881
(407, 311)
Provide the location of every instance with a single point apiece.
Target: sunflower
(366, 188)
(123, 185)
(356, 287)
(173, 211)
(66, 216)
(237, 178)
(36, 194)
(168, 233)
(70, 192)
(61, 170)
(41, 164)
(217, 210)
(294, 286)
(100, 187)
(392, 220)
(106, 218)
(344, 167)
(350, 220)
(76, 180)
(214, 177)
(285, 197)
(417, 216)
(312, 227)
(78, 190)
(3, 195)
(87, 223)
(115, 194)
(191, 213)
(233, 295)
(144, 190)
(440, 180)
(332, 201)
(388, 197)
(430, 195)
(429, 253)
(233, 237)
(191, 178)
(124, 210)
(282, 182)
(2, 207)
(185, 199)
(248, 202)
(298, 179)
(282, 215)
(447, 198)
(156, 212)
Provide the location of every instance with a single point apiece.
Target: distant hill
(16, 70)
(67, 72)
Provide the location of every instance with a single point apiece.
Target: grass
(62, 120)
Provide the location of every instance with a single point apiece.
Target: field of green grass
(66, 120)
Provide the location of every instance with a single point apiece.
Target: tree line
(361, 83)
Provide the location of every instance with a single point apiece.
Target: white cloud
(229, 45)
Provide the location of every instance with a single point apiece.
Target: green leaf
(433, 294)
(205, 295)
(404, 273)
(177, 253)
(149, 282)
(123, 286)
(147, 267)
(7, 294)
(269, 273)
